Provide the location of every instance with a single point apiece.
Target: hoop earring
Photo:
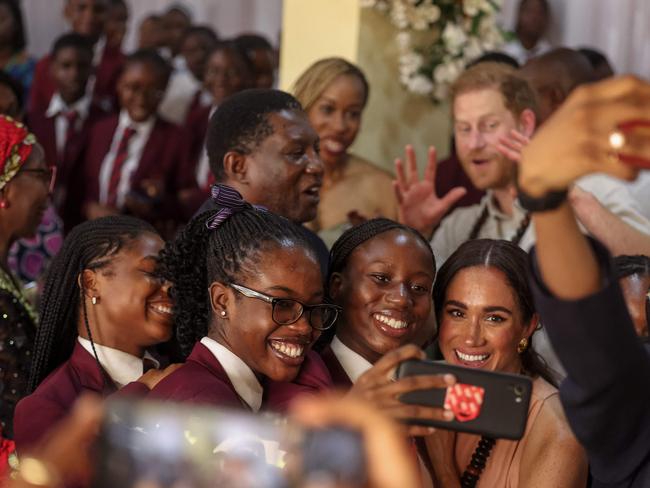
(522, 346)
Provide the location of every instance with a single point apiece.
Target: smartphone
(160, 445)
(484, 402)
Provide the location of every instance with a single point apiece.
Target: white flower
(420, 84)
(454, 38)
(399, 15)
(403, 40)
(367, 3)
(473, 49)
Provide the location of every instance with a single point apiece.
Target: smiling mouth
(288, 351)
(333, 146)
(390, 321)
(475, 360)
(480, 162)
(162, 309)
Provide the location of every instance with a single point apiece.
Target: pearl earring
(223, 313)
(93, 300)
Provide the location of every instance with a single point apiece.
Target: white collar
(140, 127)
(518, 211)
(98, 51)
(239, 373)
(122, 367)
(353, 363)
(57, 106)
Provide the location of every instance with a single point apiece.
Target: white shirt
(136, 147)
(178, 96)
(352, 363)
(640, 191)
(203, 168)
(240, 375)
(515, 49)
(122, 367)
(57, 110)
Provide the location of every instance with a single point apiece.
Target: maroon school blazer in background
(37, 413)
(201, 379)
(69, 177)
(164, 158)
(106, 75)
(449, 175)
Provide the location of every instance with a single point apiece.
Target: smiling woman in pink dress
(486, 319)
(334, 93)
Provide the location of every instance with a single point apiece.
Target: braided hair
(353, 238)
(90, 245)
(512, 261)
(200, 256)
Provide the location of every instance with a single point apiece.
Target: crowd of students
(224, 247)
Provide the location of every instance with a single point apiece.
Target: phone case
(484, 402)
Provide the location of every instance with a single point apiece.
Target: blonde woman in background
(334, 93)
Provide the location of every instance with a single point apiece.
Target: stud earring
(93, 300)
(522, 346)
(223, 313)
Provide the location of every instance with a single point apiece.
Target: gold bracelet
(35, 472)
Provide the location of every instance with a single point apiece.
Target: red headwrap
(16, 144)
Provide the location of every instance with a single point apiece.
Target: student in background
(88, 18)
(64, 127)
(14, 60)
(138, 159)
(261, 55)
(117, 18)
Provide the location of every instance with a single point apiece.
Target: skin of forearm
(567, 263)
(615, 234)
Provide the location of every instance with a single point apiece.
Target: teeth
(291, 350)
(333, 146)
(472, 357)
(390, 322)
(162, 309)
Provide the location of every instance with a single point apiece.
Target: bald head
(554, 75)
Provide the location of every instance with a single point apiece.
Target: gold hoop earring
(522, 346)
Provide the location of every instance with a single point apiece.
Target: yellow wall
(313, 29)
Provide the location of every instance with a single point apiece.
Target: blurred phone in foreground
(163, 445)
(484, 402)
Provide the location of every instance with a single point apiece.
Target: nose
(476, 140)
(314, 163)
(165, 286)
(340, 123)
(398, 295)
(302, 325)
(474, 334)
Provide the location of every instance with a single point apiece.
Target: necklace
(477, 464)
(482, 218)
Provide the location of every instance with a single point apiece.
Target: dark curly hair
(19, 38)
(512, 261)
(200, 256)
(151, 58)
(91, 245)
(241, 123)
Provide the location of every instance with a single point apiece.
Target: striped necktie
(121, 156)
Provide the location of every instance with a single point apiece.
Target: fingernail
(431, 430)
(449, 415)
(450, 379)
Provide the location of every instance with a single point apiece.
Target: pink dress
(502, 467)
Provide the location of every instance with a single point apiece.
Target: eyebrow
(289, 291)
(491, 308)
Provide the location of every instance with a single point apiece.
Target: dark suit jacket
(606, 394)
(106, 75)
(201, 379)
(339, 376)
(69, 177)
(313, 378)
(37, 413)
(164, 159)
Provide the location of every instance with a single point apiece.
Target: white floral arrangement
(437, 38)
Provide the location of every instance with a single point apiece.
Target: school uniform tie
(120, 158)
(71, 117)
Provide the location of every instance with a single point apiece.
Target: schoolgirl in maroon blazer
(249, 304)
(63, 127)
(136, 162)
(102, 308)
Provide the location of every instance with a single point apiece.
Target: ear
(235, 166)
(89, 283)
(335, 286)
(219, 298)
(527, 122)
(530, 328)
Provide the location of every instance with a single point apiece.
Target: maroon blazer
(106, 75)
(69, 177)
(201, 379)
(37, 413)
(338, 374)
(314, 377)
(164, 159)
(450, 174)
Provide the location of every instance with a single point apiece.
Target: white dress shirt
(515, 49)
(58, 109)
(240, 375)
(136, 147)
(122, 367)
(178, 96)
(353, 363)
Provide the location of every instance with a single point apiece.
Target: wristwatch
(550, 201)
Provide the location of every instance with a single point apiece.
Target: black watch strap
(549, 201)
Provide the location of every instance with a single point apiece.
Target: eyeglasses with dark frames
(48, 175)
(286, 311)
